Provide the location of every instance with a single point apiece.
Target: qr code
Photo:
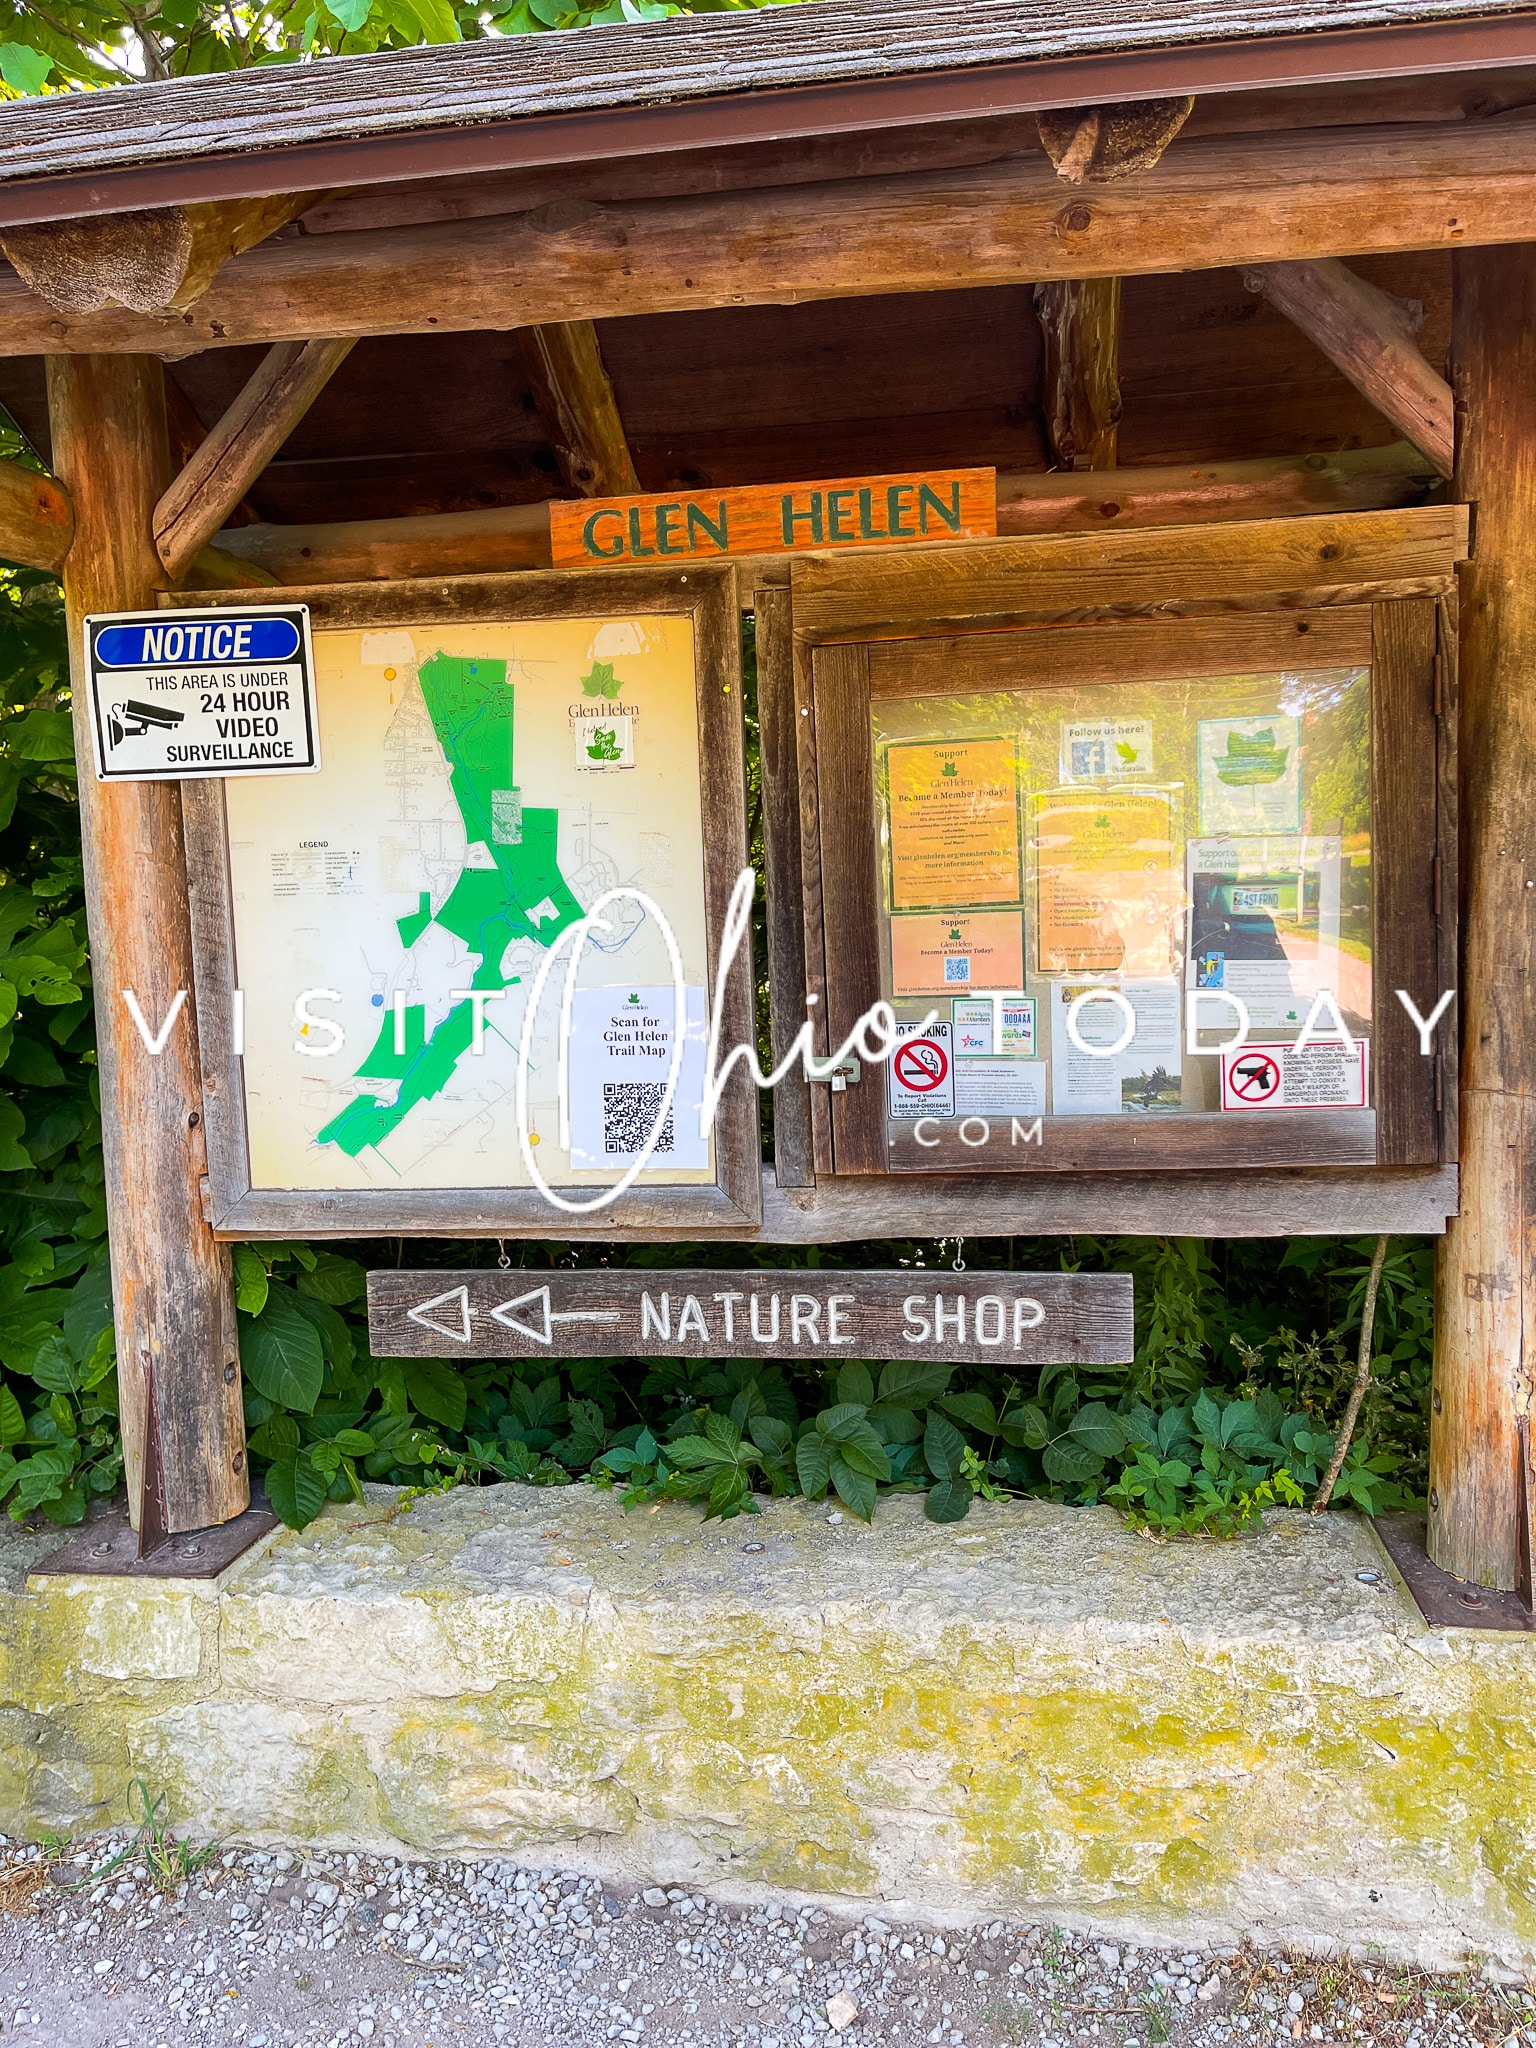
(957, 967)
(629, 1110)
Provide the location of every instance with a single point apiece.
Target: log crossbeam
(1368, 334)
(238, 449)
(37, 521)
(575, 400)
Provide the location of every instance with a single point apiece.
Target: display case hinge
(205, 1195)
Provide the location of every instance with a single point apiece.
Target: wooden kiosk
(1066, 408)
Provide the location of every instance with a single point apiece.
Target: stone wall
(1031, 1712)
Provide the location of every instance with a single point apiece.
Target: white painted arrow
(459, 1295)
(539, 1296)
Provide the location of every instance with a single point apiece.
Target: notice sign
(1323, 1075)
(1024, 1318)
(922, 1072)
(775, 519)
(177, 695)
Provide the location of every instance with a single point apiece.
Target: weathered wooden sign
(765, 519)
(1005, 1318)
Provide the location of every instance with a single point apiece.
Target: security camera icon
(131, 720)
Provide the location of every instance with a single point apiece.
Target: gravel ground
(308, 1949)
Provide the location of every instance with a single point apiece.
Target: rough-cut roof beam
(841, 66)
(574, 395)
(1367, 334)
(1209, 203)
(37, 521)
(160, 261)
(517, 536)
(239, 447)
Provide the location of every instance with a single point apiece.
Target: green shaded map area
(471, 706)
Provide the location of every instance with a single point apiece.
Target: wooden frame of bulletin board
(728, 1198)
(1374, 590)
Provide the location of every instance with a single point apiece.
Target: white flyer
(1144, 1077)
(922, 1071)
(976, 1019)
(999, 1087)
(1324, 1074)
(621, 1053)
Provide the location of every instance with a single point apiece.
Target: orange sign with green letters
(774, 519)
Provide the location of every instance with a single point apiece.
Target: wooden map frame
(1384, 581)
(707, 594)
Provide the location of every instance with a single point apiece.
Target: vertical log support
(1485, 1341)
(1080, 383)
(177, 1346)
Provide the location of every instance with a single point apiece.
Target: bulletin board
(1140, 883)
(496, 753)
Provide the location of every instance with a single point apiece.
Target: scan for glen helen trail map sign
(176, 695)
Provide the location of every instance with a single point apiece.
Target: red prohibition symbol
(921, 1065)
(1255, 1077)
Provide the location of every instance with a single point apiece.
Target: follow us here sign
(202, 693)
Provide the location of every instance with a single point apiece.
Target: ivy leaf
(334, 1280)
(855, 1385)
(854, 1488)
(436, 1391)
(912, 1383)
(974, 1410)
(895, 1425)
(281, 1354)
(24, 69)
(1025, 1427)
(813, 1464)
(1071, 1463)
(1099, 1430)
(250, 1278)
(54, 1367)
(12, 1125)
(943, 1447)
(949, 1500)
(295, 1491)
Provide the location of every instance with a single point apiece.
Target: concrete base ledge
(1031, 1713)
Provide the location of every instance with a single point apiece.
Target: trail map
(483, 785)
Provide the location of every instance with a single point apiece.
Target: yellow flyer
(954, 809)
(946, 955)
(1106, 879)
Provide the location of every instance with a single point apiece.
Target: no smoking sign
(922, 1072)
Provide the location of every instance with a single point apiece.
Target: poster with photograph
(954, 820)
(1143, 1078)
(1264, 926)
(1106, 881)
(1250, 774)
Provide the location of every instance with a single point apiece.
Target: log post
(177, 1346)
(1485, 1346)
(1080, 380)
